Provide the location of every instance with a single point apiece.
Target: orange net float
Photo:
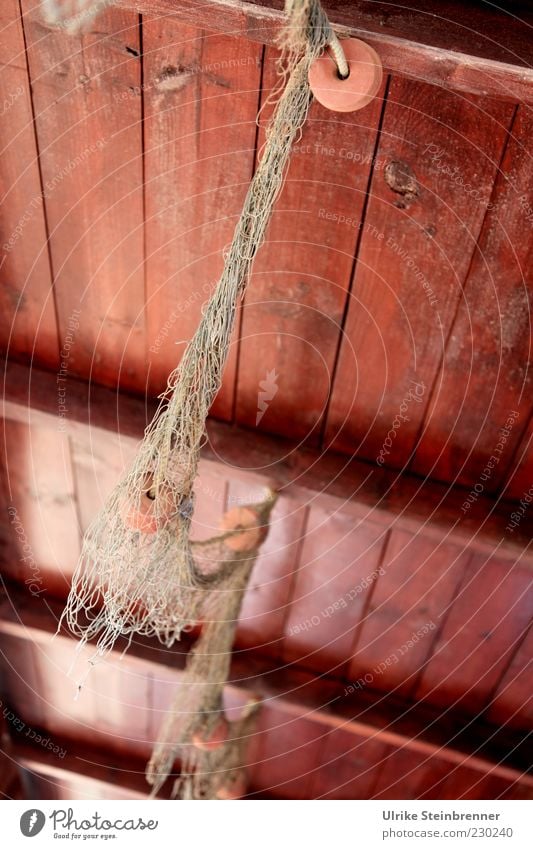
(365, 74)
(150, 510)
(215, 739)
(234, 789)
(253, 532)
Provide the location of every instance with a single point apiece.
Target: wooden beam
(9, 774)
(363, 489)
(489, 54)
(122, 778)
(86, 767)
(422, 730)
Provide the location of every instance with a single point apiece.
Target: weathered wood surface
(491, 56)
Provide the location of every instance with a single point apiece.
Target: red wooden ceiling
(125, 161)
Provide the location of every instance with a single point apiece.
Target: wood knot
(174, 77)
(401, 179)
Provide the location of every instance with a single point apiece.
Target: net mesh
(136, 557)
(197, 710)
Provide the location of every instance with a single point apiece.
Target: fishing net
(195, 729)
(139, 572)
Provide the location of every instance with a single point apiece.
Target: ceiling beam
(389, 497)
(9, 773)
(425, 730)
(489, 53)
(122, 779)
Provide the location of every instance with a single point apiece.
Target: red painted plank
(350, 766)
(484, 380)
(43, 523)
(289, 753)
(407, 775)
(419, 578)
(479, 637)
(99, 460)
(463, 782)
(201, 96)
(419, 234)
(21, 686)
(64, 713)
(210, 491)
(296, 298)
(429, 42)
(27, 318)
(518, 483)
(513, 700)
(338, 566)
(122, 694)
(89, 133)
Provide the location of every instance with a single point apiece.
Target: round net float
(214, 740)
(358, 88)
(253, 533)
(233, 789)
(148, 511)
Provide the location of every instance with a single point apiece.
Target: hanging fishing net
(139, 573)
(195, 730)
(136, 556)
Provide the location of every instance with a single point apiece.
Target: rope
(343, 69)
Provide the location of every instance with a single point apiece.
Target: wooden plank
(513, 700)
(465, 783)
(338, 568)
(419, 233)
(419, 42)
(86, 773)
(89, 133)
(122, 695)
(210, 490)
(418, 580)
(363, 490)
(482, 401)
(517, 485)
(98, 461)
(64, 714)
(289, 754)
(406, 775)
(43, 524)
(349, 767)
(21, 686)
(9, 774)
(296, 298)
(27, 319)
(480, 634)
(200, 96)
